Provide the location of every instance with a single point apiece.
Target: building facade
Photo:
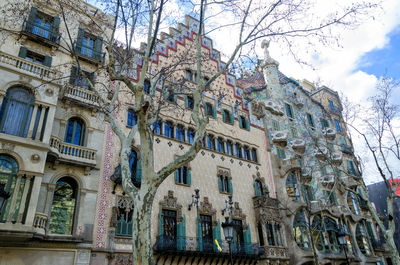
(272, 157)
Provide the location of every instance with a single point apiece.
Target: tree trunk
(141, 230)
(392, 248)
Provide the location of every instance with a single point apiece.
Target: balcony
(321, 152)
(335, 111)
(266, 209)
(82, 97)
(337, 158)
(306, 175)
(279, 138)
(193, 246)
(39, 33)
(328, 181)
(329, 133)
(72, 154)
(275, 252)
(347, 149)
(298, 145)
(89, 54)
(28, 67)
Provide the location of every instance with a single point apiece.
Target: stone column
(49, 201)
(1, 98)
(33, 120)
(23, 199)
(14, 199)
(30, 215)
(40, 126)
(61, 131)
(49, 124)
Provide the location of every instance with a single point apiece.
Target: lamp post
(227, 226)
(342, 237)
(195, 200)
(4, 195)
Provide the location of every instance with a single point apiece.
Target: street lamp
(227, 226)
(342, 237)
(4, 195)
(195, 199)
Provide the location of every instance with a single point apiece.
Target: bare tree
(379, 130)
(283, 21)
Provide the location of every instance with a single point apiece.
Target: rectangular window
(331, 105)
(190, 135)
(229, 148)
(289, 111)
(183, 176)
(208, 109)
(308, 193)
(189, 75)
(337, 124)
(238, 151)
(275, 125)
(310, 120)
(169, 224)
(206, 232)
(246, 153)
(189, 102)
(254, 155)
(293, 131)
(132, 118)
(324, 123)
(42, 25)
(226, 116)
(220, 145)
(89, 46)
(81, 78)
(180, 133)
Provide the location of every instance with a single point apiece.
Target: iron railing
(90, 53)
(49, 33)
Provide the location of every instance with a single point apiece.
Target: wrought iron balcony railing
(194, 244)
(89, 53)
(44, 32)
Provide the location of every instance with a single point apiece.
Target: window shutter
(217, 235)
(234, 249)
(219, 184)
(181, 234)
(160, 224)
(55, 28)
(139, 171)
(79, 38)
(32, 14)
(371, 234)
(241, 122)
(199, 235)
(189, 177)
(98, 43)
(176, 175)
(22, 52)
(255, 188)
(223, 115)
(72, 77)
(247, 241)
(175, 97)
(247, 125)
(92, 78)
(47, 61)
(231, 118)
(186, 102)
(230, 188)
(214, 111)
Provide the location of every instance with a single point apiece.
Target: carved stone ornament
(171, 203)
(258, 109)
(49, 92)
(114, 217)
(224, 172)
(8, 146)
(266, 209)
(237, 213)
(35, 158)
(207, 209)
(125, 202)
(123, 259)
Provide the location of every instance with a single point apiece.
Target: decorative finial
(267, 57)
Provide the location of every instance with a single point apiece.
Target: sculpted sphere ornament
(267, 57)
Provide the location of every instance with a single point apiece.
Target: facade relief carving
(171, 203)
(207, 209)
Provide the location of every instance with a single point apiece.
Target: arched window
(238, 150)
(246, 152)
(224, 184)
(136, 169)
(362, 240)
(300, 231)
(210, 142)
(254, 155)
(63, 206)
(220, 145)
(292, 188)
(16, 112)
(190, 135)
(317, 233)
(8, 178)
(169, 129)
(157, 127)
(352, 202)
(75, 133)
(229, 147)
(132, 118)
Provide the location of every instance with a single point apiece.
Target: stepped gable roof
(255, 80)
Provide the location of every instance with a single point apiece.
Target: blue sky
(384, 61)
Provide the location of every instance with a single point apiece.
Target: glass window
(63, 206)
(292, 187)
(226, 116)
(157, 127)
(124, 223)
(42, 25)
(182, 176)
(242, 121)
(254, 155)
(258, 188)
(224, 184)
(220, 145)
(352, 203)
(8, 178)
(189, 75)
(246, 152)
(238, 150)
(75, 133)
(208, 109)
(210, 142)
(293, 131)
(324, 123)
(146, 86)
(132, 118)
(80, 78)
(238, 237)
(331, 105)
(180, 133)
(308, 193)
(169, 129)
(310, 120)
(300, 231)
(206, 232)
(317, 233)
(34, 57)
(281, 153)
(190, 135)
(169, 224)
(289, 111)
(189, 102)
(332, 234)
(16, 112)
(260, 234)
(337, 125)
(275, 125)
(362, 240)
(229, 147)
